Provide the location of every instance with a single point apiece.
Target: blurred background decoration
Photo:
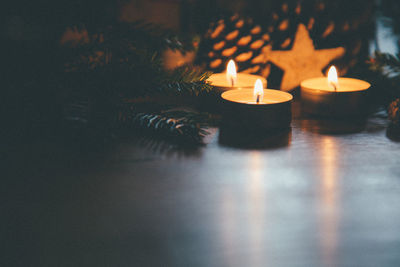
(347, 24)
(183, 40)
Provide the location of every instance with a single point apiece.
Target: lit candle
(333, 96)
(233, 80)
(257, 108)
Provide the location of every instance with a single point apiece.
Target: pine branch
(124, 62)
(387, 69)
(144, 34)
(387, 64)
(124, 59)
(118, 36)
(186, 81)
(175, 126)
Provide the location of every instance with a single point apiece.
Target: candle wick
(334, 86)
(232, 81)
(258, 99)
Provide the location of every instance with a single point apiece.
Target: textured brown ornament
(303, 61)
(394, 112)
(234, 38)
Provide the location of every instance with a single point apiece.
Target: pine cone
(394, 112)
(234, 38)
(329, 26)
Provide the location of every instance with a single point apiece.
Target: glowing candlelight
(231, 73)
(258, 91)
(333, 78)
(231, 79)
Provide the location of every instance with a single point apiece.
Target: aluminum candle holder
(273, 111)
(350, 99)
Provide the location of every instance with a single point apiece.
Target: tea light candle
(257, 108)
(334, 96)
(233, 80)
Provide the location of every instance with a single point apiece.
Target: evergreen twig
(125, 58)
(387, 68)
(186, 81)
(387, 64)
(180, 126)
(123, 62)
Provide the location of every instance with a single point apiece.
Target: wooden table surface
(323, 194)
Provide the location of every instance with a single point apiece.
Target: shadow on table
(326, 125)
(333, 126)
(393, 133)
(254, 139)
(374, 122)
(169, 149)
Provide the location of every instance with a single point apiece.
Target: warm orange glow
(258, 91)
(329, 190)
(231, 72)
(257, 202)
(333, 78)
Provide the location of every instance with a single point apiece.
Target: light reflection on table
(257, 207)
(329, 206)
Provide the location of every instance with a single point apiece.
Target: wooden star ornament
(303, 61)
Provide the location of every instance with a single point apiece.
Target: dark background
(71, 200)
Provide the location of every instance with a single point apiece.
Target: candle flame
(231, 72)
(258, 91)
(333, 77)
